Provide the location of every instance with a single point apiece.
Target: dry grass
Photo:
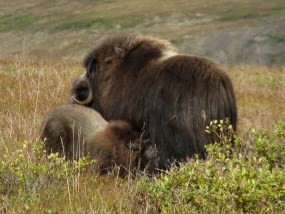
(260, 95)
(29, 88)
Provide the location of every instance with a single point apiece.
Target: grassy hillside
(230, 32)
(42, 46)
(253, 182)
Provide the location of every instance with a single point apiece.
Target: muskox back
(66, 128)
(141, 80)
(186, 93)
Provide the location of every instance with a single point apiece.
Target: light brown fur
(75, 131)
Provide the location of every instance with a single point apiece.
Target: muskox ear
(139, 57)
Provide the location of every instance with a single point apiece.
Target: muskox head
(121, 56)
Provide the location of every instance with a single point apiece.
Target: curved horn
(86, 101)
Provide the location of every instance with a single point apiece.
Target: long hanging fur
(143, 81)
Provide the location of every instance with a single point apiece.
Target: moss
(16, 22)
(80, 24)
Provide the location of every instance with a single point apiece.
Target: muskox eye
(92, 65)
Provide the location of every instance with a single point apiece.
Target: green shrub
(247, 177)
(26, 172)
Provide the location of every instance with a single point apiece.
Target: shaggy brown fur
(75, 131)
(141, 80)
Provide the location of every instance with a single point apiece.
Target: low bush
(247, 177)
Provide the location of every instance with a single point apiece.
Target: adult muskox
(142, 80)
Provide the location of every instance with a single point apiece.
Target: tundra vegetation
(246, 178)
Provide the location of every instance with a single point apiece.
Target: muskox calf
(75, 131)
(144, 81)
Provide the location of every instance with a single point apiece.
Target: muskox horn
(85, 101)
(81, 92)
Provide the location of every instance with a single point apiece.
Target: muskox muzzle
(81, 92)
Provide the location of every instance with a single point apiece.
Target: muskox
(74, 131)
(144, 81)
